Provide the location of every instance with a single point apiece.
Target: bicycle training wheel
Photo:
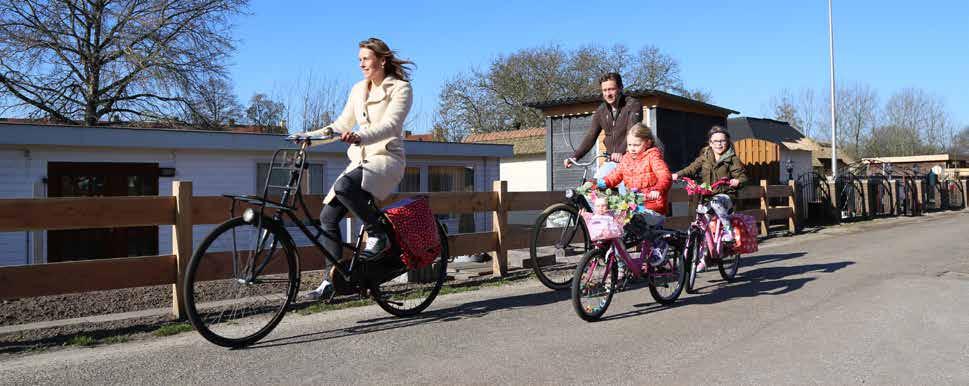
(666, 281)
(240, 281)
(559, 240)
(594, 284)
(414, 290)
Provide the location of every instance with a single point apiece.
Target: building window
(453, 179)
(313, 182)
(411, 182)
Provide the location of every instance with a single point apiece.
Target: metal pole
(834, 122)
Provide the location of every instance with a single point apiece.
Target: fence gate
(813, 201)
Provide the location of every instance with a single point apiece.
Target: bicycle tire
(558, 274)
(676, 260)
(581, 284)
(411, 298)
(695, 250)
(206, 286)
(728, 268)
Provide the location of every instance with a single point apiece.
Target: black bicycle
(560, 237)
(246, 273)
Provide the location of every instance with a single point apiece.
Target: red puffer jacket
(646, 171)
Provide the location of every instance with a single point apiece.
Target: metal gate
(813, 201)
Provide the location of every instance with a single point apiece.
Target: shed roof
(525, 141)
(153, 138)
(630, 93)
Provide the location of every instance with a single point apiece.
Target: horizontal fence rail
(182, 211)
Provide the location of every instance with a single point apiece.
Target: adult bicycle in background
(560, 237)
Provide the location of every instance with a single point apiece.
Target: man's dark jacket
(615, 126)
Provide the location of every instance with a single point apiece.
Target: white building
(39, 161)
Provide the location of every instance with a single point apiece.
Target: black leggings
(350, 197)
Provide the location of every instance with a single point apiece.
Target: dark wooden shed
(680, 125)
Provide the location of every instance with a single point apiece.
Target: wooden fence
(182, 210)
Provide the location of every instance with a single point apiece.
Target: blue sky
(742, 52)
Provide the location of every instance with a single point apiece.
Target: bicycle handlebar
(584, 164)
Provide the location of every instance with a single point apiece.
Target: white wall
(212, 173)
(802, 163)
(525, 173)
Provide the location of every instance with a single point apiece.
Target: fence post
(893, 185)
(965, 193)
(833, 195)
(499, 264)
(763, 206)
(919, 203)
(792, 202)
(181, 242)
(866, 197)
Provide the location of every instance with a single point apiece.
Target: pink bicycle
(608, 267)
(704, 242)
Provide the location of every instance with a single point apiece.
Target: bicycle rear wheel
(594, 284)
(414, 290)
(240, 281)
(559, 240)
(666, 281)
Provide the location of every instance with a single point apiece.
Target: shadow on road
(468, 310)
(749, 283)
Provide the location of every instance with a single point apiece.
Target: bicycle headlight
(569, 193)
(248, 215)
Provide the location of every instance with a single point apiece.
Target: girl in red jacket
(643, 169)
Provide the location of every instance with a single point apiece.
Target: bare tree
(493, 99)
(960, 143)
(857, 112)
(266, 113)
(918, 114)
(77, 61)
(213, 106)
(801, 110)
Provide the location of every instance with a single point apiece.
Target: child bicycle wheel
(594, 284)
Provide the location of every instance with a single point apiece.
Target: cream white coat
(380, 113)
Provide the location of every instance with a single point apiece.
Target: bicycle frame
(286, 209)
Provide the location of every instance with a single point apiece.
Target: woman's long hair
(398, 68)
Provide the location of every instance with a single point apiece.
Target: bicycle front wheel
(559, 240)
(240, 281)
(594, 284)
(696, 250)
(729, 265)
(414, 290)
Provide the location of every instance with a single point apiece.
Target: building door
(76, 179)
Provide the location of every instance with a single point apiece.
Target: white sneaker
(325, 290)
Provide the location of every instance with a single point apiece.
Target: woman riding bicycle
(378, 104)
(718, 160)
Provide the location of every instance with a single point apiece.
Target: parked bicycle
(704, 242)
(560, 237)
(609, 267)
(246, 273)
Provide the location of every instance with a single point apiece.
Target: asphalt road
(882, 302)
